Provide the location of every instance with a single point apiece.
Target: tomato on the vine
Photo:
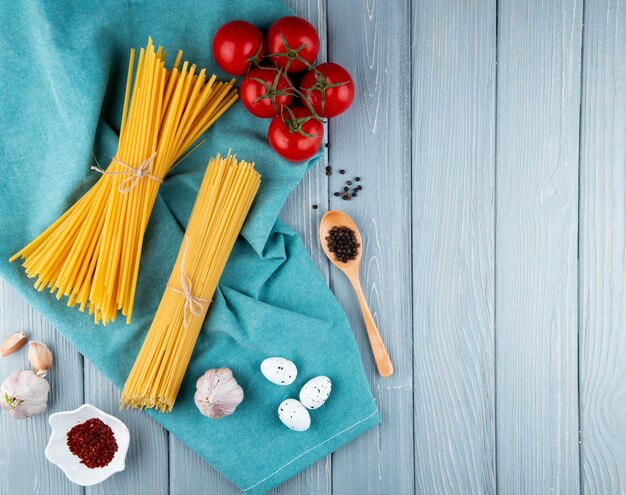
(236, 45)
(292, 43)
(329, 89)
(265, 91)
(295, 134)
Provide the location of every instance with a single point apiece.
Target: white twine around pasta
(193, 304)
(135, 174)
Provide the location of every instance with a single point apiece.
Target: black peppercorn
(342, 242)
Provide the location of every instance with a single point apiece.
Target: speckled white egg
(279, 370)
(315, 392)
(294, 415)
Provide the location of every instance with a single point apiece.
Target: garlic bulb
(12, 343)
(217, 393)
(40, 357)
(24, 394)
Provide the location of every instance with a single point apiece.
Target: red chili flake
(93, 442)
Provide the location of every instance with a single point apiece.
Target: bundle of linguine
(91, 253)
(223, 202)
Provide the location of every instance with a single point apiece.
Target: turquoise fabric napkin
(63, 69)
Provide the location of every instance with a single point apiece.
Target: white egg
(315, 392)
(279, 370)
(294, 415)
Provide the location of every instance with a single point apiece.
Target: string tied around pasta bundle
(92, 253)
(193, 304)
(135, 174)
(222, 204)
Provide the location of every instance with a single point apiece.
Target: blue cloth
(63, 69)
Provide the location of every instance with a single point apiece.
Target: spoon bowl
(336, 218)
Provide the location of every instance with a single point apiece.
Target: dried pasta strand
(224, 200)
(91, 254)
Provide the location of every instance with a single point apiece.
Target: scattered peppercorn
(315, 207)
(93, 442)
(342, 242)
(346, 194)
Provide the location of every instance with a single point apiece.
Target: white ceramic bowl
(58, 452)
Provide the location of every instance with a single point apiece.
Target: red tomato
(329, 88)
(295, 135)
(293, 43)
(236, 44)
(265, 91)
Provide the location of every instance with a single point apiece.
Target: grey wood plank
(539, 64)
(454, 66)
(147, 457)
(187, 470)
(189, 473)
(602, 341)
(22, 442)
(372, 140)
(299, 214)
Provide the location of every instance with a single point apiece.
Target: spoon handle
(381, 357)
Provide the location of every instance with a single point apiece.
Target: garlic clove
(24, 394)
(40, 357)
(12, 343)
(217, 393)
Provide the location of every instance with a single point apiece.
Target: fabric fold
(57, 112)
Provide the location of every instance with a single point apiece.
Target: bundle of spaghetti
(223, 202)
(91, 254)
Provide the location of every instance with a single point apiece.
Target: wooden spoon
(335, 218)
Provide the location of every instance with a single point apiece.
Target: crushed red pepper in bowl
(93, 442)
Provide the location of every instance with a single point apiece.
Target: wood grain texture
(24, 467)
(299, 214)
(494, 261)
(454, 55)
(187, 470)
(148, 451)
(602, 245)
(372, 140)
(539, 54)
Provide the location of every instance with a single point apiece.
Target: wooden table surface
(491, 139)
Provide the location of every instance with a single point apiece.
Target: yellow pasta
(91, 253)
(223, 202)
